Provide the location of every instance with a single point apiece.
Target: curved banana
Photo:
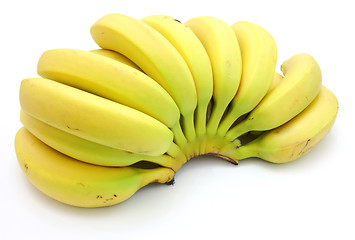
(296, 137)
(223, 50)
(77, 183)
(94, 118)
(259, 58)
(116, 56)
(88, 151)
(194, 54)
(301, 84)
(113, 80)
(155, 55)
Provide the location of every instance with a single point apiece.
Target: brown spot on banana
(71, 128)
(303, 150)
(26, 167)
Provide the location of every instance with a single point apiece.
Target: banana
(195, 55)
(301, 84)
(88, 151)
(155, 55)
(296, 137)
(113, 80)
(223, 50)
(259, 58)
(94, 118)
(77, 183)
(116, 56)
(276, 80)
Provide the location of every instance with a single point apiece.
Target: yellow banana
(116, 56)
(276, 80)
(88, 151)
(113, 80)
(301, 84)
(259, 58)
(94, 118)
(223, 50)
(155, 55)
(194, 54)
(296, 137)
(77, 183)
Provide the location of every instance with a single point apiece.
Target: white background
(310, 198)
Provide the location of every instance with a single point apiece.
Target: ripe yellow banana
(296, 137)
(194, 54)
(276, 80)
(223, 50)
(77, 183)
(301, 84)
(94, 118)
(88, 151)
(116, 56)
(259, 57)
(113, 80)
(155, 55)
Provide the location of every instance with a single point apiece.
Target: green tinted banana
(155, 55)
(259, 57)
(116, 56)
(94, 118)
(77, 183)
(223, 50)
(301, 84)
(113, 80)
(296, 137)
(88, 151)
(194, 54)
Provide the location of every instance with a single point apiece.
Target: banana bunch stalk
(98, 125)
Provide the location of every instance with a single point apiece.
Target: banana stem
(227, 122)
(159, 175)
(216, 115)
(179, 137)
(168, 161)
(201, 118)
(238, 130)
(178, 156)
(235, 152)
(189, 126)
(174, 150)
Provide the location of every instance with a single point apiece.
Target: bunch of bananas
(101, 124)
